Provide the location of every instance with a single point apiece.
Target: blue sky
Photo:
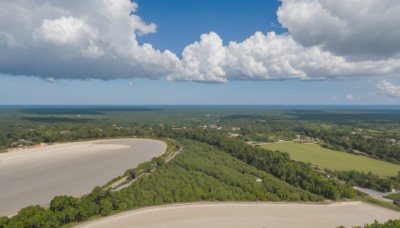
(178, 25)
(182, 22)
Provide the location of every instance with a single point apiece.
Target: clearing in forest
(334, 160)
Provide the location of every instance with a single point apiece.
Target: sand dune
(36, 175)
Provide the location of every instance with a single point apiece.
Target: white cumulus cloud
(78, 39)
(65, 30)
(389, 88)
(270, 57)
(349, 97)
(327, 39)
(357, 28)
(203, 61)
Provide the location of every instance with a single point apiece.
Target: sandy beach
(231, 214)
(34, 176)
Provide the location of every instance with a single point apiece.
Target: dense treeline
(388, 224)
(368, 180)
(64, 133)
(276, 163)
(261, 128)
(201, 172)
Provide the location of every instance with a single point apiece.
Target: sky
(200, 52)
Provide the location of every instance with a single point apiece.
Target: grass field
(334, 160)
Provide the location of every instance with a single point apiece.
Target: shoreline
(221, 213)
(91, 141)
(40, 145)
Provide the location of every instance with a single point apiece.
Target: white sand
(36, 175)
(277, 215)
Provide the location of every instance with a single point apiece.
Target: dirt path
(375, 194)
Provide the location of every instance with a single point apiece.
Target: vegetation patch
(49, 119)
(393, 196)
(376, 224)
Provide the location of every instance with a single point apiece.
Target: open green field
(334, 160)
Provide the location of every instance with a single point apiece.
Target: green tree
(105, 207)
(4, 221)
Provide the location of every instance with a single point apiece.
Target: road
(375, 194)
(35, 176)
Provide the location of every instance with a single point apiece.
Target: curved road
(35, 176)
(278, 215)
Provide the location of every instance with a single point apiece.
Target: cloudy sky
(199, 52)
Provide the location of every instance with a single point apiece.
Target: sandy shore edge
(206, 204)
(14, 153)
